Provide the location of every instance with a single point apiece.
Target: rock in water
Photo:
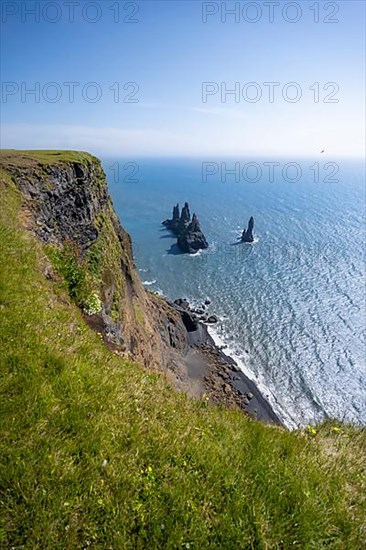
(174, 222)
(212, 319)
(189, 234)
(191, 239)
(185, 216)
(176, 212)
(247, 236)
(182, 302)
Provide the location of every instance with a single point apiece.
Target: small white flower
(93, 304)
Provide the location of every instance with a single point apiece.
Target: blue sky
(169, 52)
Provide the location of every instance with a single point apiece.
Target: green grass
(44, 157)
(75, 275)
(97, 452)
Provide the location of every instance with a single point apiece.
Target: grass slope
(44, 157)
(96, 452)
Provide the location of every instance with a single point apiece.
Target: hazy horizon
(185, 78)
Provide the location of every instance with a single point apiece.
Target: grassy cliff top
(27, 158)
(98, 452)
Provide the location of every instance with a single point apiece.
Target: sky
(153, 78)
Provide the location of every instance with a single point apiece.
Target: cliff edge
(66, 205)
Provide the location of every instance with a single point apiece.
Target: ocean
(292, 304)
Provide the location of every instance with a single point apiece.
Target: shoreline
(216, 374)
(265, 392)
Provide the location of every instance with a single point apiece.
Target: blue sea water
(291, 305)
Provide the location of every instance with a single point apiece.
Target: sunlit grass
(97, 452)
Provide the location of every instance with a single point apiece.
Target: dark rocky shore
(214, 374)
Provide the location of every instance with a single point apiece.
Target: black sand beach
(213, 373)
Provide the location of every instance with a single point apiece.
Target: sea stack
(247, 236)
(174, 222)
(190, 237)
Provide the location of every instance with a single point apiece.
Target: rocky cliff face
(65, 199)
(67, 205)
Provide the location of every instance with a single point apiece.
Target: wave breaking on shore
(229, 351)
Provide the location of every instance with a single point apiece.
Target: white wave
(265, 391)
(256, 240)
(159, 292)
(148, 283)
(239, 234)
(198, 303)
(143, 270)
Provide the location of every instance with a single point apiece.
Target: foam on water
(222, 342)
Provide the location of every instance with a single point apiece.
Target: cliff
(98, 451)
(67, 206)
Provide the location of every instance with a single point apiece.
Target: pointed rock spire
(247, 236)
(185, 216)
(176, 212)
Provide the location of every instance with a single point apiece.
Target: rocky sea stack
(247, 236)
(190, 237)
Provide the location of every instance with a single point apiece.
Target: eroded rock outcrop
(247, 236)
(190, 237)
